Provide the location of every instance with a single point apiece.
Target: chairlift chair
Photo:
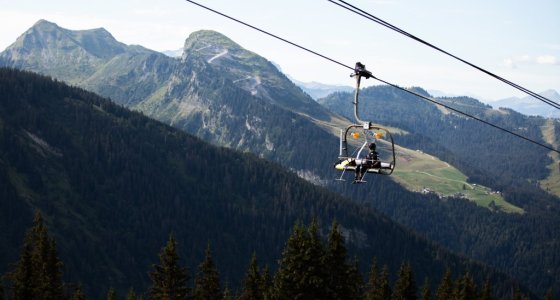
(359, 136)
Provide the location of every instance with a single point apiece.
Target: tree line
(310, 268)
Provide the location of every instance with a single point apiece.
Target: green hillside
(551, 132)
(424, 173)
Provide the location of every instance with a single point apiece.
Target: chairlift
(360, 138)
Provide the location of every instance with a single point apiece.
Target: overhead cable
(376, 78)
(466, 114)
(377, 20)
(270, 34)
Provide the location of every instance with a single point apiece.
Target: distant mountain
(69, 54)
(437, 93)
(251, 72)
(113, 184)
(232, 97)
(173, 53)
(532, 106)
(319, 90)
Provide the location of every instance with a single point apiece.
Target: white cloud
(547, 60)
(512, 62)
(508, 62)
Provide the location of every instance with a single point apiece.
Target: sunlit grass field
(420, 172)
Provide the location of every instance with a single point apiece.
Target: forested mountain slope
(487, 156)
(231, 97)
(112, 184)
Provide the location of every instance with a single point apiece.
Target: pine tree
(405, 286)
(445, 289)
(267, 284)
(518, 295)
(79, 294)
(465, 288)
(169, 280)
(1, 290)
(207, 281)
(301, 274)
(548, 295)
(486, 292)
(343, 279)
(38, 273)
(252, 284)
(384, 291)
(227, 294)
(131, 295)
(112, 294)
(426, 293)
(372, 286)
(50, 273)
(23, 278)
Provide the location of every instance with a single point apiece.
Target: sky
(516, 39)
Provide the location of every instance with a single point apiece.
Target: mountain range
(319, 90)
(231, 97)
(532, 106)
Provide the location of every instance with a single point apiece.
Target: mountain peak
(208, 37)
(70, 55)
(47, 35)
(208, 42)
(42, 23)
(551, 94)
(45, 25)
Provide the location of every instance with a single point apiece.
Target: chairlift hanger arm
(359, 72)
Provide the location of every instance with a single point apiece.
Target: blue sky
(519, 40)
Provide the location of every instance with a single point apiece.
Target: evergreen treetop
(79, 294)
(343, 279)
(445, 289)
(372, 285)
(426, 294)
(301, 274)
(384, 285)
(405, 286)
(253, 288)
(169, 279)
(112, 294)
(207, 281)
(38, 273)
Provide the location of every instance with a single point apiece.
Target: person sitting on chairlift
(371, 161)
(372, 155)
